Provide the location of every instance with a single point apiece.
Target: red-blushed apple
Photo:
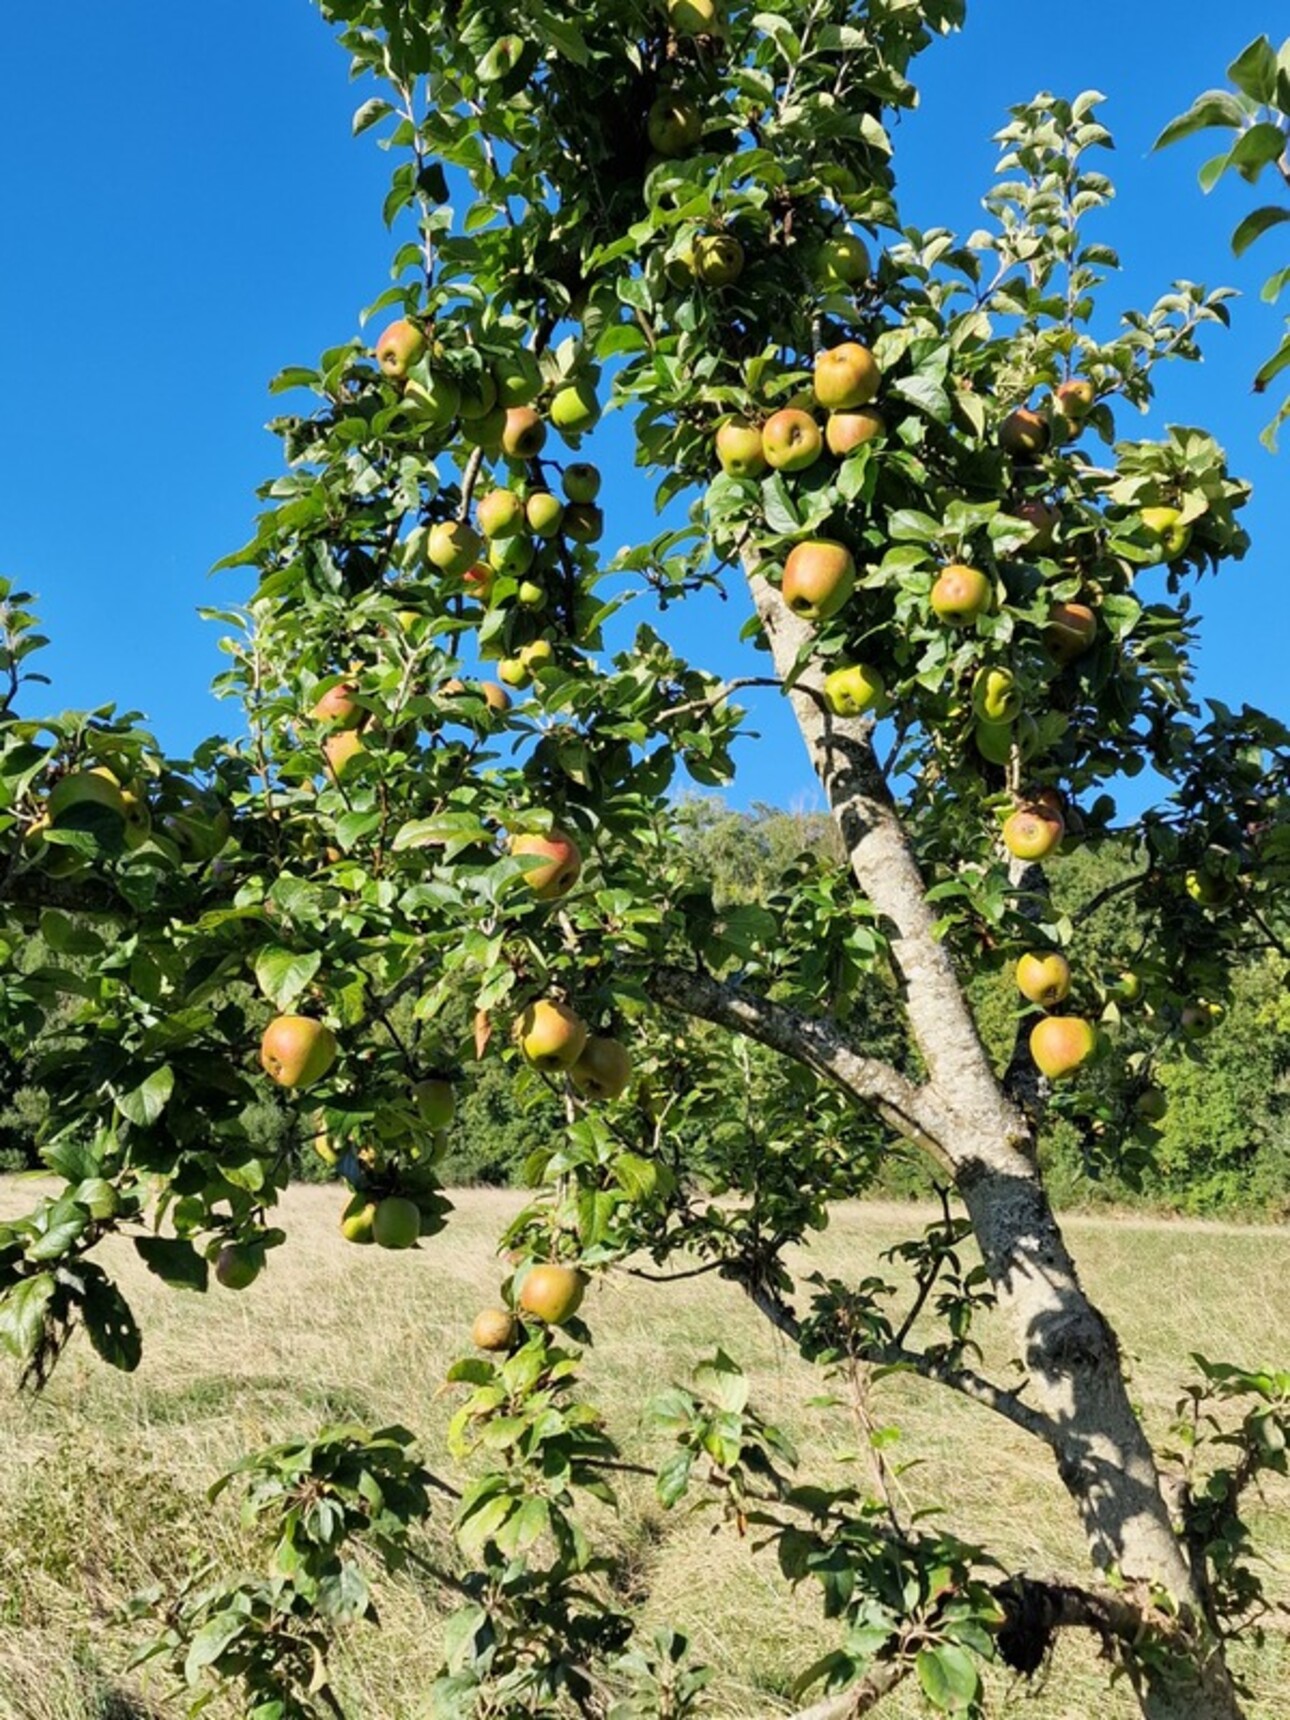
(338, 705)
(674, 125)
(552, 1293)
(494, 1329)
(560, 863)
(718, 260)
(846, 376)
(1070, 631)
(739, 449)
(1033, 831)
(1024, 433)
(841, 261)
(846, 431)
(819, 577)
(581, 481)
(604, 1070)
(524, 435)
(791, 440)
(961, 594)
(478, 580)
(501, 514)
(1044, 978)
(551, 1036)
(496, 698)
(544, 513)
(296, 1050)
(453, 546)
(399, 348)
(584, 522)
(1061, 1044)
(575, 409)
(852, 689)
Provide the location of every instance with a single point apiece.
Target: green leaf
(145, 1103)
(371, 113)
(174, 1260)
(674, 1477)
(949, 1678)
(1256, 224)
(22, 1315)
(1255, 148)
(1215, 107)
(1254, 71)
(724, 1381)
(110, 1324)
(282, 975)
(780, 509)
(212, 1641)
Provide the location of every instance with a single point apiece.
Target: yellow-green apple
(674, 125)
(530, 594)
(1044, 520)
(525, 434)
(961, 594)
(436, 1102)
(1070, 631)
(1200, 1018)
(551, 1036)
(996, 697)
(994, 741)
(846, 376)
(1127, 987)
(739, 449)
(1044, 978)
(500, 514)
(584, 522)
(1075, 398)
(399, 348)
(518, 377)
(237, 1266)
(338, 705)
(340, 750)
(396, 1223)
(453, 546)
(559, 863)
(852, 689)
(511, 556)
(604, 1069)
(575, 409)
(552, 1293)
(493, 1329)
(1165, 529)
(581, 481)
(1208, 887)
(1024, 433)
(841, 261)
(1033, 831)
(544, 513)
(515, 672)
(791, 440)
(1061, 1044)
(296, 1050)
(846, 431)
(357, 1219)
(718, 259)
(819, 577)
(536, 656)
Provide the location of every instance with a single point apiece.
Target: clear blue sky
(184, 212)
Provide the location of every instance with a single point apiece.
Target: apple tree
(899, 462)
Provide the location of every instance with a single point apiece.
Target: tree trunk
(1069, 1350)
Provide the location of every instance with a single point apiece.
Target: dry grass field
(102, 1480)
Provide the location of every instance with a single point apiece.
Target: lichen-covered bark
(1070, 1353)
